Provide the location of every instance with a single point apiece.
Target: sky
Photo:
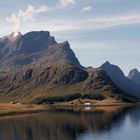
(97, 30)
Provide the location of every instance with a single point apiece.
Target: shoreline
(22, 109)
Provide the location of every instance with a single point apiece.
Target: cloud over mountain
(28, 14)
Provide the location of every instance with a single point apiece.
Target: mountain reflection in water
(101, 124)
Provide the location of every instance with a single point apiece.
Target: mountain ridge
(30, 48)
(118, 77)
(35, 67)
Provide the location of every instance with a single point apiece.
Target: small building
(87, 104)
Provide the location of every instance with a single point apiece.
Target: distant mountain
(120, 79)
(17, 50)
(134, 75)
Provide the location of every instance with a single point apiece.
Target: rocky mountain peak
(15, 34)
(36, 47)
(134, 75)
(107, 63)
(110, 68)
(133, 72)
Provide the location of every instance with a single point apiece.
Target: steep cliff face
(33, 48)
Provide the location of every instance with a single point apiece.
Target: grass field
(7, 109)
(13, 109)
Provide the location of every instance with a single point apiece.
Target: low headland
(15, 108)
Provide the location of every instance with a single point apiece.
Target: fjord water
(104, 123)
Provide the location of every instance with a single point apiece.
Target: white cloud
(17, 18)
(66, 3)
(92, 23)
(108, 45)
(69, 25)
(30, 12)
(87, 9)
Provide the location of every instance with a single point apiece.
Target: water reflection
(72, 125)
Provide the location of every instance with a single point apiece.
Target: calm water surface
(100, 124)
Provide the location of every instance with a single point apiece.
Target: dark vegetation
(127, 99)
(51, 100)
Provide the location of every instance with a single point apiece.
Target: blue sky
(97, 30)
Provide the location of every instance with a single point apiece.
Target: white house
(87, 104)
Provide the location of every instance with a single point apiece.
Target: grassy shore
(105, 102)
(15, 109)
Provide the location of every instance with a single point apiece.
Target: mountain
(36, 84)
(35, 68)
(17, 50)
(120, 80)
(134, 75)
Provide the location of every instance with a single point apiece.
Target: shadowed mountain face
(120, 80)
(33, 48)
(134, 75)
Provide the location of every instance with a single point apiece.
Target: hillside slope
(34, 83)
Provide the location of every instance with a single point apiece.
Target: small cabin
(87, 104)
